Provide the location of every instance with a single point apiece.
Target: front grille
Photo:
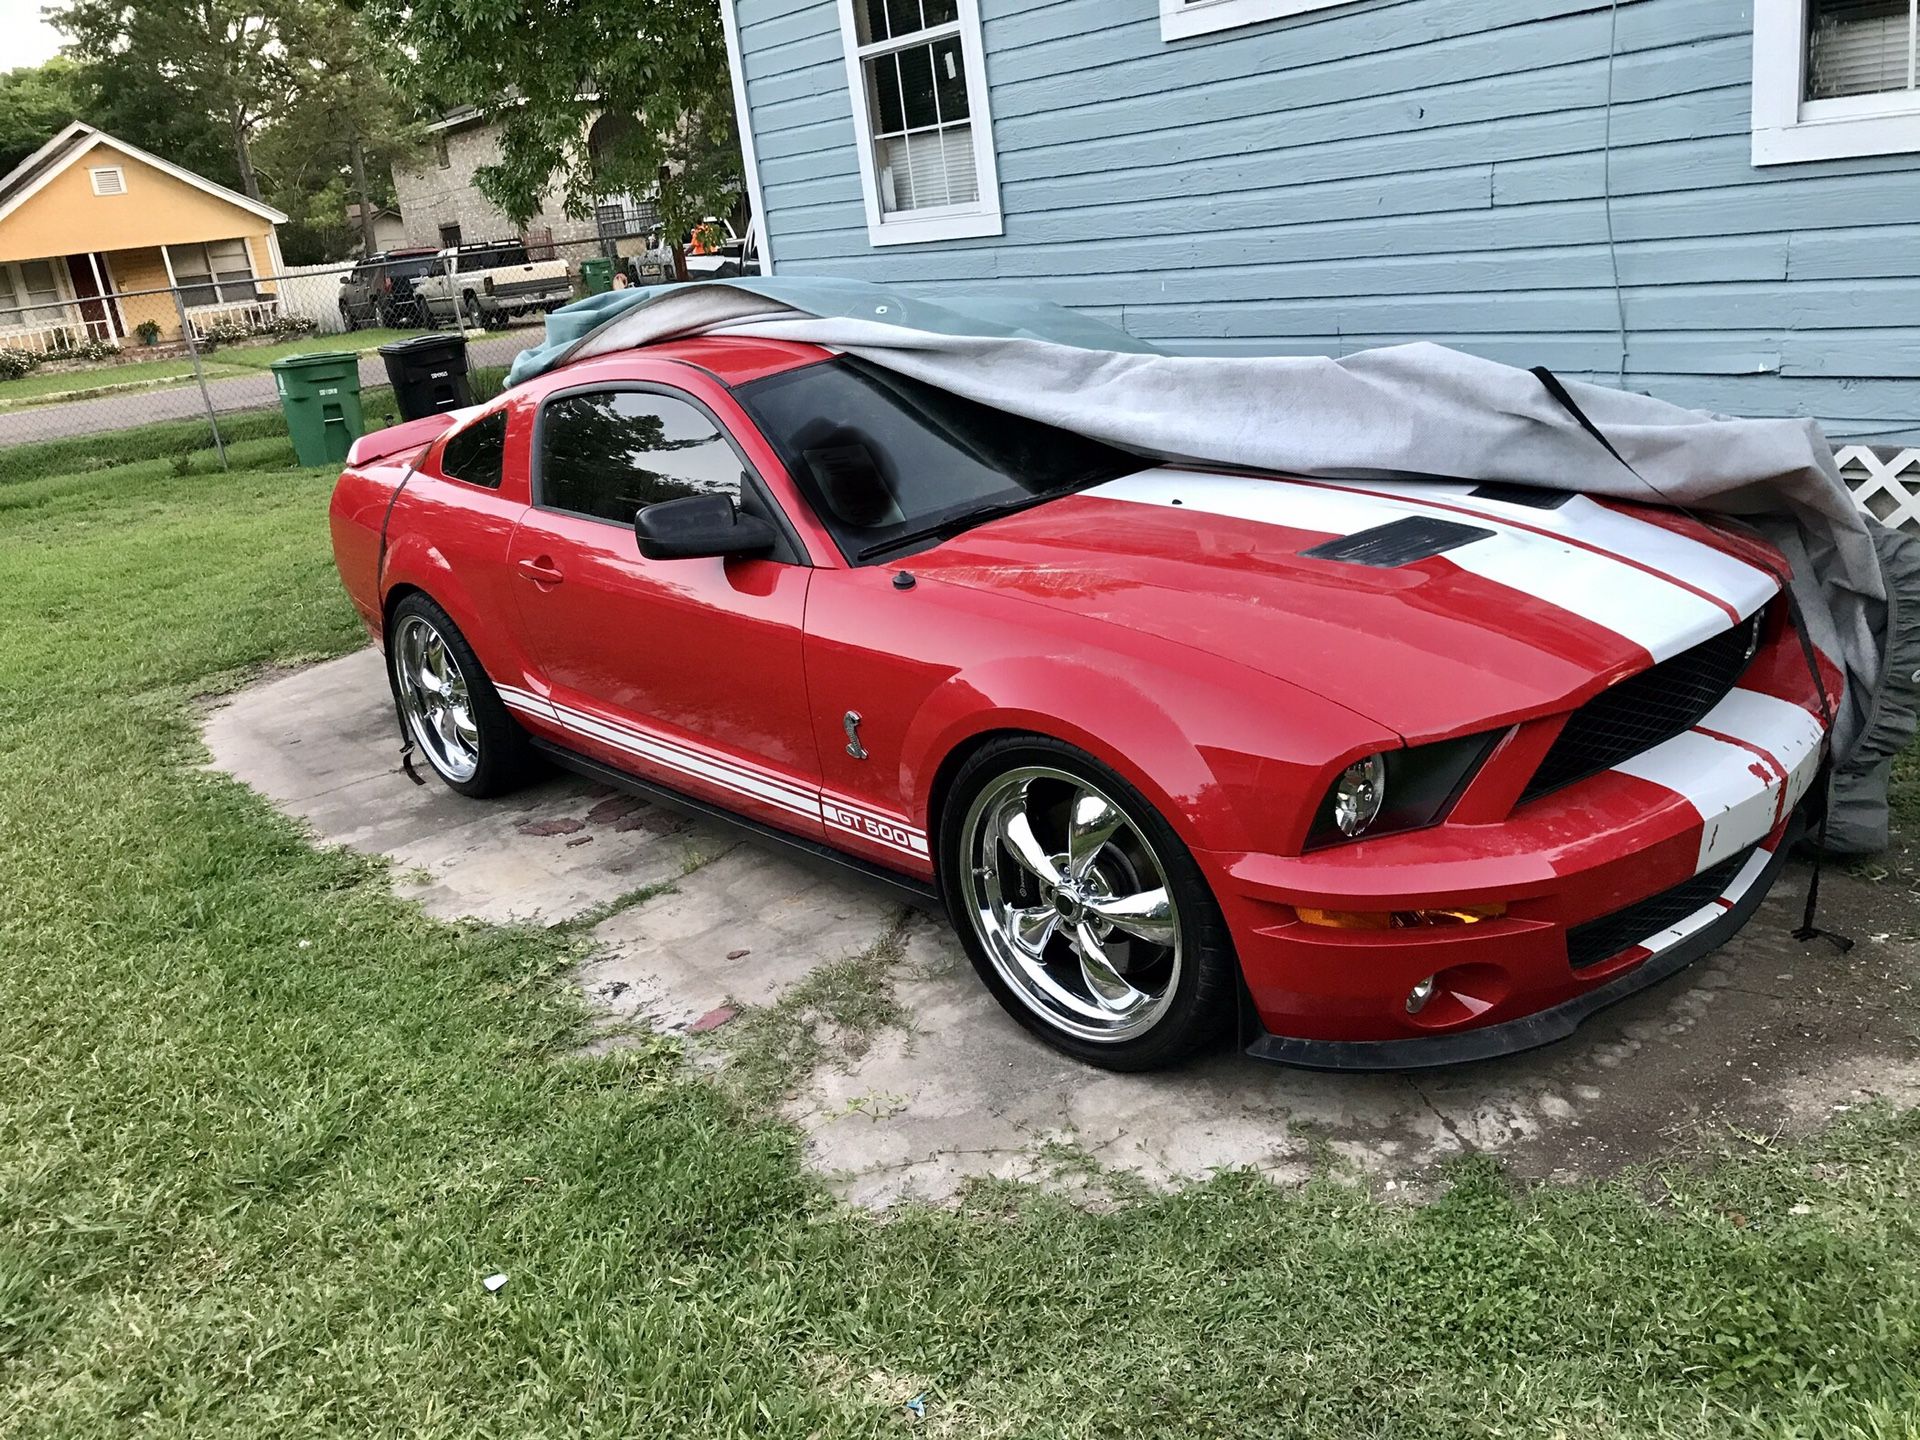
(1600, 940)
(1657, 704)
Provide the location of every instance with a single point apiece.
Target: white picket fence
(1885, 483)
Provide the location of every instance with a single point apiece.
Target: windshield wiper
(955, 524)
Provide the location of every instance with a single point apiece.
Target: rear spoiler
(409, 435)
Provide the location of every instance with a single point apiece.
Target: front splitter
(1528, 1032)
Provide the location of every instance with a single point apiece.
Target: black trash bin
(429, 374)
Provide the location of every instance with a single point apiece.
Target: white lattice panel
(1885, 483)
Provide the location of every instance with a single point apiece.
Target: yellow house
(97, 235)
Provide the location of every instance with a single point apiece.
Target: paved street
(182, 402)
(1766, 1035)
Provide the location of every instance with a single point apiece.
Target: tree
(336, 141)
(36, 103)
(546, 71)
(221, 62)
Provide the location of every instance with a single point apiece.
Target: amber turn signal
(1401, 919)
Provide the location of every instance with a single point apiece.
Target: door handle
(541, 571)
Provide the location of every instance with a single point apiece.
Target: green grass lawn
(258, 357)
(263, 1130)
(40, 387)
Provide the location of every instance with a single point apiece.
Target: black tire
(476, 316)
(347, 317)
(1198, 1001)
(504, 759)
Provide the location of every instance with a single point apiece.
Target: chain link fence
(181, 374)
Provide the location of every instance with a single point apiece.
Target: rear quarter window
(477, 454)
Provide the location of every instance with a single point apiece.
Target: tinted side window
(607, 453)
(476, 453)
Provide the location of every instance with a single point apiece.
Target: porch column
(179, 304)
(106, 299)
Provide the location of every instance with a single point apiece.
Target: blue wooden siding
(1391, 170)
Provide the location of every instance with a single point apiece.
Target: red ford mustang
(1394, 774)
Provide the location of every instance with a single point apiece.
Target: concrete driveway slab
(1765, 1036)
(740, 931)
(323, 745)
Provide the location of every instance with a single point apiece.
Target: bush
(222, 332)
(14, 362)
(284, 325)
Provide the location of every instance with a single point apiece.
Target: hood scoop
(1399, 542)
(1534, 497)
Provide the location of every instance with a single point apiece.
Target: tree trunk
(359, 154)
(679, 261)
(249, 181)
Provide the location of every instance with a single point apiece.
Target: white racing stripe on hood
(1742, 586)
(1656, 614)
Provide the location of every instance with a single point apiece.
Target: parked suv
(486, 285)
(379, 290)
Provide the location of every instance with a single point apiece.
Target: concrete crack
(1446, 1121)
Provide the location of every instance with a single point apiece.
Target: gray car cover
(1405, 410)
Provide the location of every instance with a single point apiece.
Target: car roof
(730, 359)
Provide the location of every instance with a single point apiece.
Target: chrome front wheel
(435, 698)
(1072, 904)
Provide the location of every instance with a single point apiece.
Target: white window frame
(119, 173)
(20, 313)
(945, 222)
(191, 280)
(1788, 129)
(1182, 19)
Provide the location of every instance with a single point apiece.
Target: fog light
(1418, 996)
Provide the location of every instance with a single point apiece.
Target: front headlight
(1358, 795)
(1398, 789)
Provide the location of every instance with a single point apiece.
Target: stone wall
(432, 195)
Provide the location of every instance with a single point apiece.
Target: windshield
(886, 461)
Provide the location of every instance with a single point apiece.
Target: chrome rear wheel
(435, 698)
(1072, 904)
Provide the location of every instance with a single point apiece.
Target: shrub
(15, 362)
(222, 332)
(91, 349)
(283, 325)
(148, 331)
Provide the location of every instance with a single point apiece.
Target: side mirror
(347, 279)
(697, 526)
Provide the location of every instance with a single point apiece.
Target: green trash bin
(320, 396)
(596, 275)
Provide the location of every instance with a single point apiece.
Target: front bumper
(1571, 873)
(1556, 1022)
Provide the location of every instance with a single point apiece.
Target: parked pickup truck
(487, 285)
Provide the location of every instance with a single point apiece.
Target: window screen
(1861, 47)
(218, 273)
(607, 453)
(29, 293)
(477, 453)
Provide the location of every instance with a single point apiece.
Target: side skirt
(915, 892)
